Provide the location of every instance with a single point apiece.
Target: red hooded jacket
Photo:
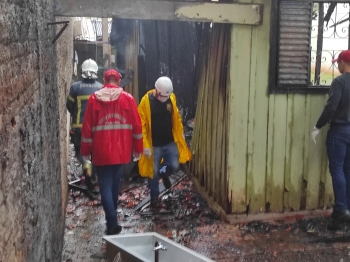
(112, 127)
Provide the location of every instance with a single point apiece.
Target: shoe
(341, 215)
(115, 231)
(164, 173)
(154, 203)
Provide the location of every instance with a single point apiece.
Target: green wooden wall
(272, 163)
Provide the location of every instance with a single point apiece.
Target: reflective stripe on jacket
(146, 164)
(79, 94)
(112, 127)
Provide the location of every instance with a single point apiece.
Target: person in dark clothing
(76, 103)
(337, 114)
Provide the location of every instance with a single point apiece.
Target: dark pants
(338, 150)
(109, 182)
(76, 142)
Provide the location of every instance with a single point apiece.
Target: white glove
(314, 134)
(86, 158)
(147, 152)
(136, 157)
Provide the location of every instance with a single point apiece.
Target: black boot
(341, 215)
(114, 231)
(164, 173)
(154, 203)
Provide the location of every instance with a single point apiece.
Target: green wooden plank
(287, 182)
(326, 179)
(297, 151)
(328, 196)
(314, 154)
(238, 116)
(258, 108)
(277, 130)
(306, 175)
(270, 153)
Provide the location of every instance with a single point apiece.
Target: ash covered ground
(185, 218)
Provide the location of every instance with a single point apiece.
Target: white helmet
(89, 69)
(164, 86)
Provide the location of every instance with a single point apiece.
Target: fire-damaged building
(250, 76)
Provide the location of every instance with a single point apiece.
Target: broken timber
(145, 203)
(75, 185)
(235, 13)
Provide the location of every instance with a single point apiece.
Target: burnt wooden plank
(164, 48)
(214, 67)
(151, 52)
(183, 54)
(250, 14)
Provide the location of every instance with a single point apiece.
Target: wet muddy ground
(185, 218)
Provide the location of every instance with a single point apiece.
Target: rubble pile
(182, 211)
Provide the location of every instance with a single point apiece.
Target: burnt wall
(171, 49)
(167, 48)
(34, 78)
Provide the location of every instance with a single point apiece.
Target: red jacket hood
(108, 93)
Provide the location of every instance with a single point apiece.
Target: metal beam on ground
(235, 13)
(175, 179)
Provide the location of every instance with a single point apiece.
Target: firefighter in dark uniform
(76, 104)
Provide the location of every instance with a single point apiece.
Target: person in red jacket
(111, 133)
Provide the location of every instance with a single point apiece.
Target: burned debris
(185, 218)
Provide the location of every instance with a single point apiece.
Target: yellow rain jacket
(146, 164)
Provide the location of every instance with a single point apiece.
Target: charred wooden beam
(75, 185)
(237, 13)
(319, 45)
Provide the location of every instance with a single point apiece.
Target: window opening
(309, 35)
(329, 36)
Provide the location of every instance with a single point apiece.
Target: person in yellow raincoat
(164, 143)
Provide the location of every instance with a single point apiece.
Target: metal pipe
(157, 247)
(156, 254)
